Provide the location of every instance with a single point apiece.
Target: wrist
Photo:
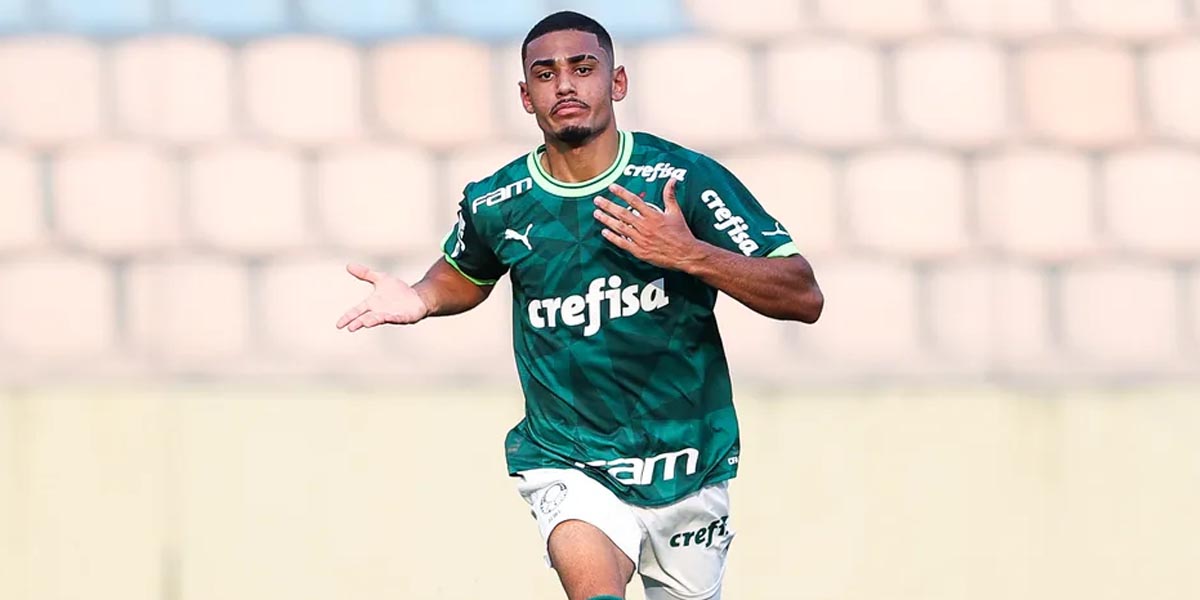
(427, 296)
(696, 258)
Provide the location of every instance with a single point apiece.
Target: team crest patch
(553, 497)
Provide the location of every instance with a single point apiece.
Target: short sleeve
(466, 251)
(721, 211)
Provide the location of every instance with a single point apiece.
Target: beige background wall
(209, 493)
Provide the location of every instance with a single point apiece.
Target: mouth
(568, 107)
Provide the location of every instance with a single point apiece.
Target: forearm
(781, 288)
(446, 292)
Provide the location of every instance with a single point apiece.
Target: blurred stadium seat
(187, 310)
(232, 18)
(1015, 216)
(805, 201)
(302, 325)
(41, 322)
(362, 19)
(412, 98)
(380, 199)
(1011, 18)
(682, 105)
(1152, 201)
(826, 92)
(1138, 20)
(248, 199)
(972, 72)
(466, 167)
(21, 225)
(303, 90)
(51, 89)
(768, 19)
(177, 89)
(95, 182)
(1122, 313)
(908, 202)
(1173, 91)
(629, 19)
(965, 298)
(883, 20)
(103, 17)
(1079, 93)
(488, 20)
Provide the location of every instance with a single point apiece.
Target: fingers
(617, 212)
(362, 272)
(614, 224)
(352, 314)
(629, 197)
(670, 204)
(623, 243)
(367, 320)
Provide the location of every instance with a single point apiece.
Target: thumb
(362, 272)
(670, 204)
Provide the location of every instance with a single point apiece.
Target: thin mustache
(569, 101)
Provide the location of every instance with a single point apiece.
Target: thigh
(556, 496)
(686, 545)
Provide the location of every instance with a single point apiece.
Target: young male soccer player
(617, 244)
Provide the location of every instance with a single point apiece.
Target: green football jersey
(620, 361)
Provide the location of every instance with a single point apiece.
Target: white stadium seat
(1173, 91)
(889, 20)
(697, 92)
(1038, 203)
(1123, 314)
(177, 89)
(57, 307)
(379, 198)
(1079, 93)
(413, 100)
(1152, 201)
(1010, 18)
(304, 90)
(189, 311)
(21, 222)
(762, 20)
(51, 89)
(953, 91)
(248, 199)
(799, 189)
(827, 93)
(1138, 20)
(907, 202)
(117, 197)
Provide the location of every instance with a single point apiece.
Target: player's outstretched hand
(659, 237)
(392, 301)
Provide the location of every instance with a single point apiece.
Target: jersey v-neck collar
(580, 189)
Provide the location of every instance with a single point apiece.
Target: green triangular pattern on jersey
(592, 186)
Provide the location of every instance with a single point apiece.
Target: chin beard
(575, 135)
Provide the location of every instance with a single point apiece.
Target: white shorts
(679, 549)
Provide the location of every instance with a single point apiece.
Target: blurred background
(1001, 200)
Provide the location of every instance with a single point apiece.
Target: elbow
(810, 306)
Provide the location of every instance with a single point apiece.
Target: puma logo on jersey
(779, 230)
(641, 471)
(733, 226)
(523, 238)
(588, 309)
(652, 174)
(507, 192)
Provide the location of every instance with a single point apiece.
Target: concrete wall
(218, 493)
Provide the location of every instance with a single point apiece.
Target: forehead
(563, 44)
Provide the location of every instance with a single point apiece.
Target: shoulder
(652, 150)
(509, 181)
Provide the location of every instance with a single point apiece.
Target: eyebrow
(549, 62)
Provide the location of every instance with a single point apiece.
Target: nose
(566, 86)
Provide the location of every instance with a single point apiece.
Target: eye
(545, 75)
(583, 70)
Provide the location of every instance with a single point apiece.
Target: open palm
(392, 301)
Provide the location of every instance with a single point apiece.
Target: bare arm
(443, 291)
(781, 288)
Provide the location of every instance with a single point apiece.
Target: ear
(620, 84)
(525, 100)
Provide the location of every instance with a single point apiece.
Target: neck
(573, 164)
